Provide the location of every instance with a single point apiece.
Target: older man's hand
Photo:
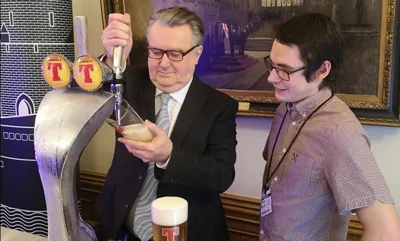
(158, 150)
(117, 33)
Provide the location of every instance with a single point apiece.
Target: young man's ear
(324, 70)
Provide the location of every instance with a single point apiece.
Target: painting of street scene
(240, 33)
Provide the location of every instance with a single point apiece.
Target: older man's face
(167, 75)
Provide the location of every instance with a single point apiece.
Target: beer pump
(61, 133)
(116, 86)
(116, 83)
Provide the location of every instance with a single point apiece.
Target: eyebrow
(281, 65)
(285, 66)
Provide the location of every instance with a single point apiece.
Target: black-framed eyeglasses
(283, 74)
(173, 55)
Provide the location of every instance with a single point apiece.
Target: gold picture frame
(378, 108)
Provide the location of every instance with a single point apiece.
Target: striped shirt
(327, 173)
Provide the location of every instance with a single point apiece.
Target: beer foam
(169, 211)
(137, 132)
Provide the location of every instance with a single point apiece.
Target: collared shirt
(174, 106)
(327, 173)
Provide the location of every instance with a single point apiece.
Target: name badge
(266, 207)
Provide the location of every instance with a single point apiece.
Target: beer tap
(116, 85)
(116, 82)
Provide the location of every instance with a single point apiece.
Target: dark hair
(318, 39)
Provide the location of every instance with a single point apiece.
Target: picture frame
(369, 81)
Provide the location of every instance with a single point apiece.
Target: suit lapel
(147, 100)
(192, 105)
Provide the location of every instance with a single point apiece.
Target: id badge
(266, 207)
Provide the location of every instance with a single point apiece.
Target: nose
(165, 62)
(273, 77)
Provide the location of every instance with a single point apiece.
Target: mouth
(164, 73)
(279, 89)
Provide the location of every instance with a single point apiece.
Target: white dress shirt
(174, 106)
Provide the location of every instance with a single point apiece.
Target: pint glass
(132, 126)
(169, 217)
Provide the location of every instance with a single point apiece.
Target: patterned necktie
(142, 220)
(162, 119)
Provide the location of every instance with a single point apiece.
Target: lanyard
(291, 143)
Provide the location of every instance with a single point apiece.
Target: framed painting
(239, 33)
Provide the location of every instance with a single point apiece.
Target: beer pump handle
(117, 63)
(116, 84)
(81, 35)
(114, 7)
(81, 39)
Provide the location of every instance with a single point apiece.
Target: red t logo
(86, 68)
(55, 67)
(170, 233)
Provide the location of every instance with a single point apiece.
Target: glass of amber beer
(131, 125)
(169, 216)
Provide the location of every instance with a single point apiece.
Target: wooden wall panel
(241, 212)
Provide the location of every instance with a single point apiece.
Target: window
(11, 18)
(51, 19)
(24, 105)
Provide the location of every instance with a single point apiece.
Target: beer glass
(169, 217)
(131, 126)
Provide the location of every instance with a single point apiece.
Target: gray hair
(179, 16)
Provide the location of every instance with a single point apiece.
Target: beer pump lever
(116, 85)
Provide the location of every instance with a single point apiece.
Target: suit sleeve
(214, 170)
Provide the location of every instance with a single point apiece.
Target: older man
(192, 155)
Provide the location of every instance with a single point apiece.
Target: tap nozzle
(118, 100)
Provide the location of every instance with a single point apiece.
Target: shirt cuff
(163, 166)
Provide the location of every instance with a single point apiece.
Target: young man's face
(296, 88)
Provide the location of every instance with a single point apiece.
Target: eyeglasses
(283, 74)
(173, 55)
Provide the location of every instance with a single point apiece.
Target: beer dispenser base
(66, 121)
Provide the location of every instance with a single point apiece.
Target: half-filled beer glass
(131, 125)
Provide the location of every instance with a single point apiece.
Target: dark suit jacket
(201, 165)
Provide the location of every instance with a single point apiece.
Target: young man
(319, 166)
(193, 153)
